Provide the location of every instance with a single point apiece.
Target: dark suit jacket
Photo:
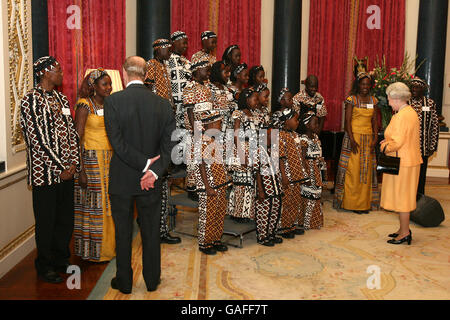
(139, 125)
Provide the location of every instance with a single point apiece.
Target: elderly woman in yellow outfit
(402, 138)
(94, 236)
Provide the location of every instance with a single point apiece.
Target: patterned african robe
(50, 136)
(200, 55)
(224, 101)
(295, 168)
(310, 206)
(211, 209)
(157, 78)
(303, 103)
(178, 67)
(429, 125)
(193, 94)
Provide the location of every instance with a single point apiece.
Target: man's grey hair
(135, 67)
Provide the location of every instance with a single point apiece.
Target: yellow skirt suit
(402, 139)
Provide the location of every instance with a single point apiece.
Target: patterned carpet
(331, 263)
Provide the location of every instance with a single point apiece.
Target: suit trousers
(148, 208)
(53, 208)
(423, 176)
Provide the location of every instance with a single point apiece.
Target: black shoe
(155, 288)
(209, 251)
(365, 211)
(115, 286)
(395, 235)
(220, 247)
(267, 243)
(170, 240)
(408, 239)
(50, 277)
(299, 232)
(62, 268)
(277, 240)
(288, 235)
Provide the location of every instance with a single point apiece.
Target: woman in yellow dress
(94, 236)
(356, 187)
(402, 139)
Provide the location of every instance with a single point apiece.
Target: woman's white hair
(398, 90)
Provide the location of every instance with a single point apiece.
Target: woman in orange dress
(402, 139)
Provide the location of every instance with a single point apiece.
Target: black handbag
(387, 164)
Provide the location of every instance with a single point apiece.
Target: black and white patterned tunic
(50, 136)
(429, 125)
(178, 68)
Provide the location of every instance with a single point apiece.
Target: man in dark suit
(139, 125)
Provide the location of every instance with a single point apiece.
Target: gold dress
(356, 181)
(94, 234)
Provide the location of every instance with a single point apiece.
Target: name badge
(230, 96)
(426, 109)
(297, 140)
(66, 111)
(100, 113)
(319, 106)
(369, 106)
(252, 126)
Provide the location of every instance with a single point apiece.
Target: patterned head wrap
(161, 43)
(239, 69)
(230, 49)
(282, 93)
(177, 35)
(362, 75)
(261, 87)
(43, 65)
(198, 64)
(208, 34)
(95, 75)
(419, 82)
(280, 117)
(209, 116)
(306, 118)
(259, 68)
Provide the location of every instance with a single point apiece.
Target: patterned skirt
(356, 186)
(94, 234)
(241, 203)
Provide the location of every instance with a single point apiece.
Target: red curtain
(234, 21)
(327, 56)
(338, 31)
(389, 40)
(100, 42)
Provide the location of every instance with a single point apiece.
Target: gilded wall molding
(20, 63)
(16, 242)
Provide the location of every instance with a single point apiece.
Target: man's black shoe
(62, 268)
(220, 247)
(288, 235)
(299, 232)
(155, 288)
(115, 286)
(50, 277)
(277, 240)
(209, 251)
(170, 240)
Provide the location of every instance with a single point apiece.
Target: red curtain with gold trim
(234, 21)
(338, 31)
(98, 40)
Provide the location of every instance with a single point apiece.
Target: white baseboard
(437, 173)
(17, 255)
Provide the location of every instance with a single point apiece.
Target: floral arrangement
(384, 77)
